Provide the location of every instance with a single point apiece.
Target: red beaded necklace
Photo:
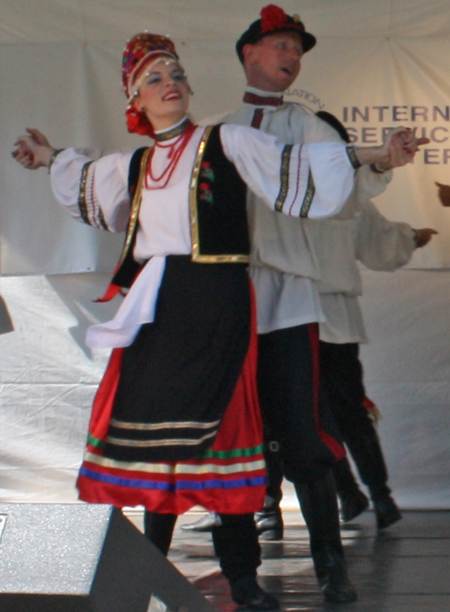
(176, 148)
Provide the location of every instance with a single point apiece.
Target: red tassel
(372, 409)
(110, 293)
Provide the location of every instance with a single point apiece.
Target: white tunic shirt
(377, 243)
(164, 224)
(285, 267)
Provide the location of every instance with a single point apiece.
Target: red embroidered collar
(252, 98)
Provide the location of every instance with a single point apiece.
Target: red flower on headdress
(137, 123)
(272, 18)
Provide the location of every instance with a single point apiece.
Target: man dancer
(288, 306)
(284, 273)
(361, 233)
(285, 276)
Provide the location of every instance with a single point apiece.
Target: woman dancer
(176, 420)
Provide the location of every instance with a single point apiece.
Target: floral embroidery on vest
(207, 173)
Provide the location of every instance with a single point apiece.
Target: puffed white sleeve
(382, 244)
(93, 192)
(310, 180)
(370, 183)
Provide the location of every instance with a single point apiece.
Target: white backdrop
(378, 63)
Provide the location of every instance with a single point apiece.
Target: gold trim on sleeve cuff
(353, 157)
(53, 156)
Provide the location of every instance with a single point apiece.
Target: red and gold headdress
(140, 52)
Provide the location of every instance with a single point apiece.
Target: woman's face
(164, 94)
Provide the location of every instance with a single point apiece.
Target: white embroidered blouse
(97, 193)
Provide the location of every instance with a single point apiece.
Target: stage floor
(406, 568)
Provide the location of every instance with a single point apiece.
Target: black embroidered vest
(217, 201)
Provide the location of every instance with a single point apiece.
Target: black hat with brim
(274, 20)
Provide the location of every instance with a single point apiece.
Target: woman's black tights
(235, 541)
(159, 529)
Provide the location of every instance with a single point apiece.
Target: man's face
(273, 63)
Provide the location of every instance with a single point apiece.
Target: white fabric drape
(389, 66)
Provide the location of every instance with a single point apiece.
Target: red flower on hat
(272, 18)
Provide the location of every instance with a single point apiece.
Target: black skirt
(179, 374)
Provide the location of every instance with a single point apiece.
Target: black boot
(386, 510)
(269, 521)
(206, 523)
(318, 502)
(352, 500)
(236, 544)
(368, 456)
(331, 572)
(247, 592)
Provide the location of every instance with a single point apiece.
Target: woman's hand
(33, 150)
